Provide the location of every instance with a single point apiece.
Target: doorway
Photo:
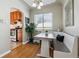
(16, 26)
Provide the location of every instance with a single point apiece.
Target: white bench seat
(59, 46)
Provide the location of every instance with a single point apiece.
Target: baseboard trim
(5, 53)
(25, 42)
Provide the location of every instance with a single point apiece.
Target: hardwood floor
(13, 45)
(24, 51)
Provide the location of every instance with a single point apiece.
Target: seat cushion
(59, 46)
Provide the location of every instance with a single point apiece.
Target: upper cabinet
(15, 15)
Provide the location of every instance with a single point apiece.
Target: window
(43, 21)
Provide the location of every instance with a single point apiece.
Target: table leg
(44, 48)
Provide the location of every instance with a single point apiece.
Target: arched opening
(16, 26)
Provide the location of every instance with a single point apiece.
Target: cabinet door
(11, 18)
(18, 15)
(20, 35)
(14, 16)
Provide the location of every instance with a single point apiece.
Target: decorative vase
(46, 33)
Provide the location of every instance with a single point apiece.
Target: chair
(51, 49)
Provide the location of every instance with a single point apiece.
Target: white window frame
(43, 28)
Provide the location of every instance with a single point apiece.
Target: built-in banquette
(66, 49)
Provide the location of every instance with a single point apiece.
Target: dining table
(45, 43)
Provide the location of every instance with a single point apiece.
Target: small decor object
(46, 33)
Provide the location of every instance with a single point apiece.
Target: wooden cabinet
(14, 16)
(20, 35)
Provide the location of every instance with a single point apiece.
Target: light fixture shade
(41, 4)
(54, 1)
(39, 7)
(34, 5)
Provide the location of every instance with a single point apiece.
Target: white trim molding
(3, 54)
(25, 42)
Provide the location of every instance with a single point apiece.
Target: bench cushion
(59, 46)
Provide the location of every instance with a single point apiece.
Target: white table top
(42, 35)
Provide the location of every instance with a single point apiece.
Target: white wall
(5, 7)
(54, 8)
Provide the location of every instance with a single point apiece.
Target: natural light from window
(43, 21)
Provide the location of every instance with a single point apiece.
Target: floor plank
(24, 51)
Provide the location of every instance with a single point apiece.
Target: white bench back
(69, 41)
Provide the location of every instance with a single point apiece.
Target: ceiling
(46, 2)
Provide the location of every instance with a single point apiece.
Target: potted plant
(30, 29)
